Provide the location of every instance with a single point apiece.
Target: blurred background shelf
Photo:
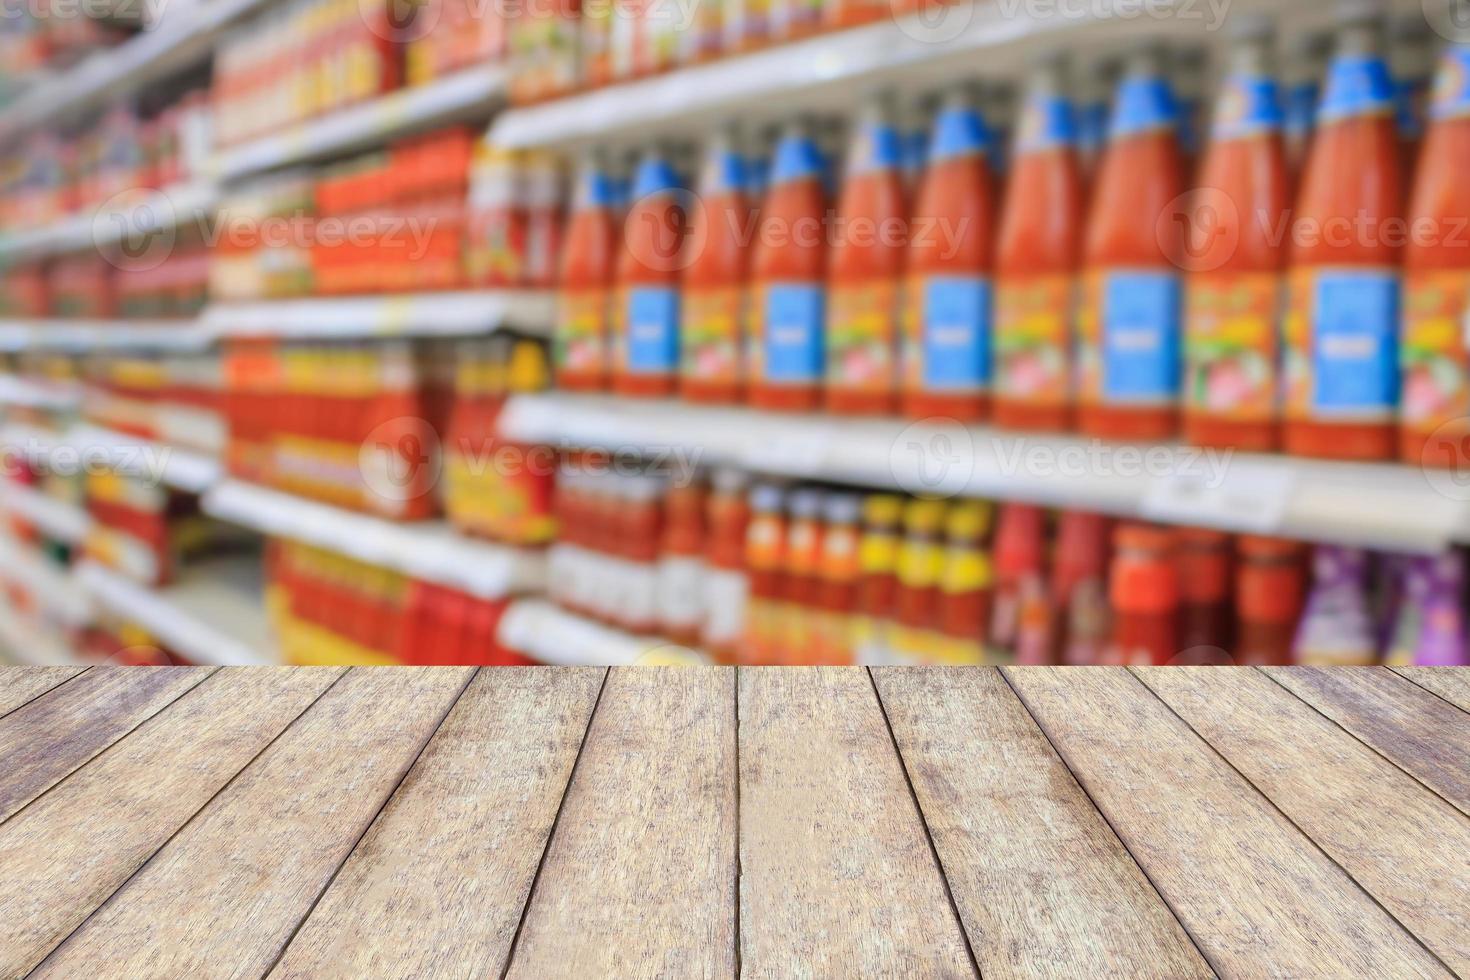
(48, 396)
(457, 313)
(182, 469)
(551, 635)
(130, 220)
(82, 336)
(213, 615)
(1370, 505)
(52, 516)
(468, 94)
(432, 551)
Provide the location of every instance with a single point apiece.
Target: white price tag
(1236, 495)
(800, 450)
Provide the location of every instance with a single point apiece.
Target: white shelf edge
(51, 586)
(1378, 505)
(55, 518)
(135, 216)
(466, 93)
(160, 612)
(81, 336)
(431, 551)
(452, 313)
(545, 632)
(26, 393)
(182, 469)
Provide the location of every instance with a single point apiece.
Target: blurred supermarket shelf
(56, 518)
(137, 220)
(460, 313)
(29, 645)
(547, 633)
(117, 72)
(49, 396)
(83, 336)
(470, 94)
(214, 616)
(1400, 508)
(182, 469)
(910, 52)
(432, 551)
(49, 586)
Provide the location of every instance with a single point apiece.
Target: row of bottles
(1230, 292)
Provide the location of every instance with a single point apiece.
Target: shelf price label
(1240, 496)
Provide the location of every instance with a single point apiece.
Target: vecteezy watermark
(1450, 19)
(146, 463)
(1445, 459)
(402, 21)
(136, 229)
(147, 13)
(1211, 14)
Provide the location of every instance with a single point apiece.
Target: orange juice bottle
(647, 313)
(712, 340)
(1436, 395)
(1129, 341)
(865, 268)
(1036, 261)
(1342, 358)
(585, 284)
(1236, 264)
(946, 342)
(788, 268)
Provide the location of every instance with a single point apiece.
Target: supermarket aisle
(828, 822)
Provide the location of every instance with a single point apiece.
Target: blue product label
(1048, 122)
(596, 190)
(1301, 107)
(725, 173)
(956, 340)
(1141, 317)
(1248, 104)
(653, 330)
(1357, 85)
(879, 146)
(797, 158)
(654, 174)
(1355, 316)
(959, 131)
(1144, 104)
(1452, 83)
(792, 339)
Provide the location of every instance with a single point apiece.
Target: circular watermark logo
(1445, 457)
(1450, 19)
(400, 460)
(933, 458)
(399, 21)
(1200, 229)
(661, 232)
(932, 21)
(135, 230)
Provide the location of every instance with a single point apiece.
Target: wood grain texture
(224, 896)
(1042, 883)
(639, 877)
(438, 884)
(110, 816)
(1450, 683)
(19, 685)
(1407, 847)
(1411, 727)
(1251, 889)
(48, 739)
(837, 876)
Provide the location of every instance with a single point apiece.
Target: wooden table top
(776, 822)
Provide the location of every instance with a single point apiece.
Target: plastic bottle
(1144, 591)
(1079, 590)
(1441, 640)
(1342, 327)
(647, 335)
(839, 572)
(1433, 359)
(788, 275)
(878, 573)
(920, 563)
(1036, 264)
(726, 586)
(1270, 587)
(1093, 111)
(866, 267)
(1337, 627)
(1019, 627)
(946, 362)
(1306, 63)
(1411, 61)
(765, 556)
(1237, 270)
(712, 341)
(1406, 616)
(965, 583)
(584, 288)
(1205, 611)
(681, 566)
(802, 579)
(1186, 72)
(1129, 335)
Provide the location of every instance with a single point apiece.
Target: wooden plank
(21, 685)
(65, 853)
(224, 896)
(1403, 844)
(437, 886)
(639, 877)
(1250, 888)
(1042, 883)
(1450, 683)
(48, 739)
(1412, 728)
(837, 876)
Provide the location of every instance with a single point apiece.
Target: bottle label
(711, 342)
(920, 564)
(1230, 346)
(1144, 104)
(1129, 337)
(860, 335)
(1047, 122)
(651, 330)
(788, 342)
(947, 334)
(581, 331)
(1342, 344)
(1248, 105)
(878, 553)
(1451, 96)
(797, 158)
(958, 132)
(1032, 339)
(1432, 352)
(1357, 85)
(966, 570)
